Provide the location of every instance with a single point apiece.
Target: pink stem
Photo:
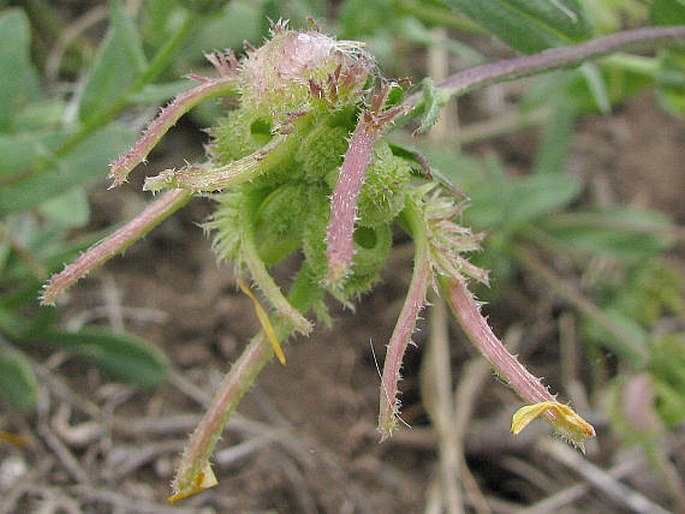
(476, 327)
(114, 244)
(166, 119)
(345, 196)
(401, 336)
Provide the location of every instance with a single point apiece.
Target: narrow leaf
(14, 63)
(668, 12)
(87, 161)
(122, 354)
(117, 64)
(18, 384)
(530, 25)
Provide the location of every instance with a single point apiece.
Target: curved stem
(406, 323)
(195, 459)
(260, 275)
(166, 119)
(152, 215)
(206, 178)
(476, 328)
(555, 58)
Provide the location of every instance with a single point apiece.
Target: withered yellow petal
(16, 440)
(563, 419)
(203, 480)
(264, 321)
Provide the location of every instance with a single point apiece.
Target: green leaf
(89, 160)
(121, 354)
(623, 233)
(19, 152)
(529, 25)
(514, 202)
(633, 348)
(14, 63)
(68, 210)
(668, 12)
(118, 63)
(553, 149)
(18, 384)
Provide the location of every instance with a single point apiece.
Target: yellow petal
(203, 480)
(16, 440)
(264, 321)
(562, 417)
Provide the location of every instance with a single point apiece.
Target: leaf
(529, 25)
(668, 12)
(624, 233)
(88, 160)
(19, 152)
(553, 149)
(118, 63)
(514, 202)
(18, 384)
(14, 63)
(68, 210)
(122, 354)
(597, 86)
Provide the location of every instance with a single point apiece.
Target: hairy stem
(555, 58)
(344, 203)
(167, 118)
(260, 275)
(476, 327)
(195, 458)
(406, 323)
(114, 244)
(206, 178)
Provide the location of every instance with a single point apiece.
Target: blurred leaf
(19, 151)
(513, 202)
(68, 210)
(14, 63)
(668, 12)
(624, 233)
(158, 93)
(553, 148)
(667, 368)
(670, 403)
(18, 384)
(122, 354)
(364, 16)
(117, 64)
(240, 21)
(671, 82)
(530, 25)
(633, 348)
(40, 114)
(89, 160)
(597, 86)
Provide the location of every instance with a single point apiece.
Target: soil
(304, 440)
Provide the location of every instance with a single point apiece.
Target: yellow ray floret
(264, 321)
(562, 417)
(203, 480)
